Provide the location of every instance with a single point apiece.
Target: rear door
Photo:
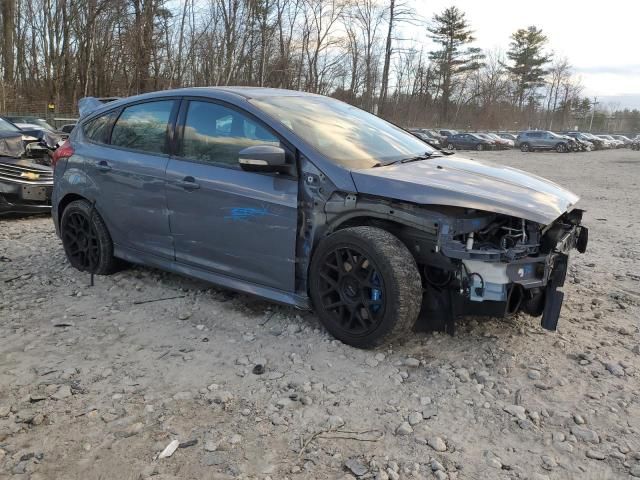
(535, 140)
(129, 174)
(465, 140)
(224, 219)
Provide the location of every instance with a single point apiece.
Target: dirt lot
(94, 382)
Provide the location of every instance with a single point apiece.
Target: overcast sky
(601, 40)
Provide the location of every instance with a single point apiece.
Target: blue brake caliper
(376, 294)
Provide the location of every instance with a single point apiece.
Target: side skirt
(278, 296)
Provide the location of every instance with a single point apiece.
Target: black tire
(561, 148)
(524, 147)
(480, 147)
(365, 286)
(451, 146)
(86, 240)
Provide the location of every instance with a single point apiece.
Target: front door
(223, 219)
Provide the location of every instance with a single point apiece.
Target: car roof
(221, 93)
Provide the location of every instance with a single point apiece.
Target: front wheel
(480, 147)
(365, 286)
(561, 148)
(451, 146)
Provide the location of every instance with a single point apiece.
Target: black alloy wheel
(352, 290)
(365, 286)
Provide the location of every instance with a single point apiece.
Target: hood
(11, 144)
(461, 182)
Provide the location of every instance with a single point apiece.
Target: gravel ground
(95, 383)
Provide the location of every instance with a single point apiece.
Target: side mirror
(262, 158)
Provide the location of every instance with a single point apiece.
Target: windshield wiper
(417, 158)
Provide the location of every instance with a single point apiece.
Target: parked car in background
(508, 136)
(613, 143)
(426, 137)
(625, 140)
(501, 143)
(26, 181)
(532, 140)
(29, 121)
(434, 134)
(42, 139)
(635, 144)
(67, 128)
(309, 201)
(469, 141)
(597, 143)
(447, 133)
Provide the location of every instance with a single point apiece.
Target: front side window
(143, 127)
(215, 134)
(344, 134)
(97, 129)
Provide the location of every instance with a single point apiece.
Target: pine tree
(526, 52)
(452, 32)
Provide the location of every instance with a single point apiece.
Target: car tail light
(63, 151)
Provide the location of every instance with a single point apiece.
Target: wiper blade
(417, 158)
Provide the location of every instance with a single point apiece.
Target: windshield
(7, 127)
(345, 134)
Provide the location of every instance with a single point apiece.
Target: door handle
(103, 166)
(188, 183)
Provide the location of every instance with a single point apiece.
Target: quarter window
(97, 129)
(143, 127)
(215, 134)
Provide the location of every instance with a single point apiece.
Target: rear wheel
(365, 286)
(86, 240)
(524, 147)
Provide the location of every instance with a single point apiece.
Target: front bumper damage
(526, 277)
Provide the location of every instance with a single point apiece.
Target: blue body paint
(241, 213)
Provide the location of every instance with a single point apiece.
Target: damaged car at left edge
(26, 176)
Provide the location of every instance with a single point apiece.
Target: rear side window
(215, 134)
(97, 129)
(143, 127)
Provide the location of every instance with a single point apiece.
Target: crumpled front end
(518, 264)
(26, 183)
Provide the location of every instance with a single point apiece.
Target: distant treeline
(56, 51)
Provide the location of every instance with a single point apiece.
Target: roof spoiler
(86, 105)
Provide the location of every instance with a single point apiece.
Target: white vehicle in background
(614, 143)
(625, 140)
(606, 142)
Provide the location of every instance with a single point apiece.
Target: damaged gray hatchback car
(308, 201)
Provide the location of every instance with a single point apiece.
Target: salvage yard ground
(96, 381)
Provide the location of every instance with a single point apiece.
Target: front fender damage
(473, 261)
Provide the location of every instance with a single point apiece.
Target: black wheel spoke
(81, 241)
(335, 304)
(351, 290)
